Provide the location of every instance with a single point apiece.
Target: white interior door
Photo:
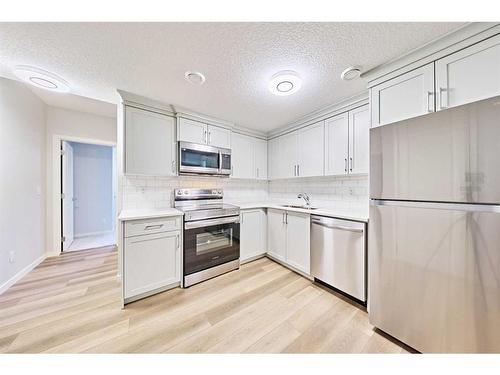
(67, 195)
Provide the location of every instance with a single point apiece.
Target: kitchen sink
(299, 206)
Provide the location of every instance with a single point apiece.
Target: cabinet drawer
(149, 226)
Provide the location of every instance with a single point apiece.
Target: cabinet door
(242, 158)
(298, 237)
(336, 144)
(150, 262)
(219, 137)
(406, 96)
(311, 143)
(273, 158)
(192, 131)
(149, 143)
(253, 234)
(359, 140)
(276, 234)
(469, 75)
(260, 152)
(288, 155)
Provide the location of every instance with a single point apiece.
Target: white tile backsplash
(157, 192)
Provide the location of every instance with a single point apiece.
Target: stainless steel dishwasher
(338, 254)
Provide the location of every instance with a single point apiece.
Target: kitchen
(365, 223)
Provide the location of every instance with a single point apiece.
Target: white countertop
(357, 214)
(148, 213)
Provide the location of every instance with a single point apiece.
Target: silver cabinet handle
(350, 160)
(205, 139)
(345, 165)
(151, 227)
(441, 90)
(241, 218)
(173, 166)
(177, 241)
(298, 169)
(429, 94)
(283, 218)
(209, 137)
(286, 218)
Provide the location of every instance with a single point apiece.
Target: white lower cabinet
(276, 234)
(151, 261)
(253, 234)
(288, 238)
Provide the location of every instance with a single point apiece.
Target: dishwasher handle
(339, 227)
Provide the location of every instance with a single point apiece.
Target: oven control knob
(179, 192)
(186, 192)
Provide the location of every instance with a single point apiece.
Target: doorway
(88, 192)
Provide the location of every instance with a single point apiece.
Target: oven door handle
(209, 223)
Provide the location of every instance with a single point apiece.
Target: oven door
(196, 159)
(208, 243)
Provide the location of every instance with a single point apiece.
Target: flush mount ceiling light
(196, 78)
(350, 73)
(286, 82)
(41, 78)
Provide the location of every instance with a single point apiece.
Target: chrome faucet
(306, 198)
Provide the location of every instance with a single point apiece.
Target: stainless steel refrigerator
(434, 231)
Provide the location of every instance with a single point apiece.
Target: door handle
(205, 139)
(345, 165)
(286, 218)
(429, 94)
(298, 170)
(350, 160)
(177, 241)
(441, 90)
(209, 137)
(283, 218)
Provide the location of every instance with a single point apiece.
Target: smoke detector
(351, 73)
(196, 78)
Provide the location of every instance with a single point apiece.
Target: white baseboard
(53, 254)
(90, 234)
(6, 285)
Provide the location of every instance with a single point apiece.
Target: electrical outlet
(12, 256)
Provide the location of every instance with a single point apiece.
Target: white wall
(22, 179)
(73, 126)
(93, 189)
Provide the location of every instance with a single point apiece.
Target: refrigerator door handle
(471, 207)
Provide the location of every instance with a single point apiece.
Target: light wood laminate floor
(71, 304)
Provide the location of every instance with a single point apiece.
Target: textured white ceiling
(237, 59)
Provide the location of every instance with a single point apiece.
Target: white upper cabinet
(219, 137)
(201, 133)
(192, 131)
(242, 156)
(406, 96)
(469, 75)
(273, 158)
(359, 140)
(149, 143)
(260, 150)
(288, 155)
(311, 150)
(336, 144)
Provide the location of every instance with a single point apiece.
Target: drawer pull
(151, 227)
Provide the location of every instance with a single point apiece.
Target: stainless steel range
(211, 234)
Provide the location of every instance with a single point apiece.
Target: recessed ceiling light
(196, 78)
(286, 82)
(350, 73)
(41, 78)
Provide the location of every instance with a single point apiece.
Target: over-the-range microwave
(197, 159)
